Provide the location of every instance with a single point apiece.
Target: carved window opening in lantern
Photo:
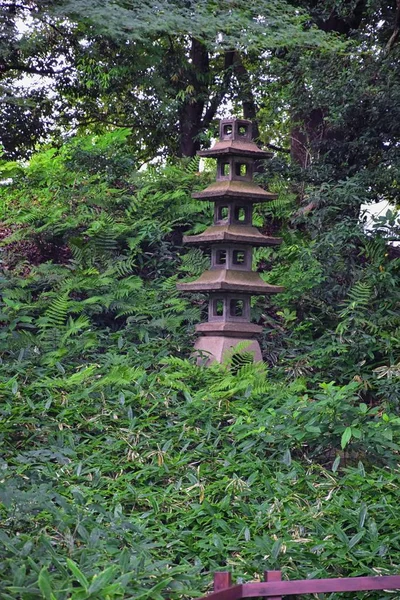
(218, 307)
(240, 259)
(243, 130)
(221, 214)
(225, 170)
(220, 257)
(242, 170)
(242, 214)
(238, 308)
(227, 130)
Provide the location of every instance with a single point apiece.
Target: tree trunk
(190, 128)
(308, 129)
(307, 132)
(246, 93)
(191, 113)
(194, 118)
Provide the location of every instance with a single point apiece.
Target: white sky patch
(369, 212)
(35, 81)
(23, 25)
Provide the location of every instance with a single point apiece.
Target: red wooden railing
(274, 588)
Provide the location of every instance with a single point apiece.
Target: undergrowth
(127, 471)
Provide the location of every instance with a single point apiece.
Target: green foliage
(275, 20)
(147, 480)
(130, 472)
(127, 470)
(103, 258)
(163, 70)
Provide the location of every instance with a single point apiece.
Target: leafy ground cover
(129, 472)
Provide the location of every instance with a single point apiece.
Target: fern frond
(124, 267)
(120, 376)
(56, 313)
(76, 326)
(169, 286)
(375, 250)
(103, 235)
(239, 359)
(17, 294)
(360, 293)
(195, 262)
(359, 297)
(127, 311)
(78, 249)
(193, 165)
(279, 207)
(125, 287)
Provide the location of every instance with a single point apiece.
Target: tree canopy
(164, 69)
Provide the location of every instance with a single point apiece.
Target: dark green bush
(130, 472)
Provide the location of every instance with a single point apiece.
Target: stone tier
(230, 280)
(238, 147)
(247, 191)
(218, 347)
(229, 329)
(241, 234)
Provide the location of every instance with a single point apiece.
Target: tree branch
(217, 99)
(247, 98)
(31, 70)
(278, 148)
(56, 29)
(396, 29)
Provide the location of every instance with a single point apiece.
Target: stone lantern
(230, 280)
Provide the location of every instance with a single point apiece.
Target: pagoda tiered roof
(245, 190)
(238, 147)
(243, 234)
(230, 280)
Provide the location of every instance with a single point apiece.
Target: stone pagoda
(230, 280)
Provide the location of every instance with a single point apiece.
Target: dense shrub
(130, 472)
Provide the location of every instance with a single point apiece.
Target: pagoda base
(217, 347)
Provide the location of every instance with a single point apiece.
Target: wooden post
(222, 580)
(273, 576)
